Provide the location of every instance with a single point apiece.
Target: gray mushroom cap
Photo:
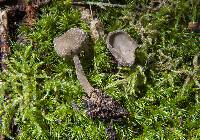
(70, 43)
(122, 47)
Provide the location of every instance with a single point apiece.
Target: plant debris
(102, 106)
(96, 28)
(194, 26)
(99, 4)
(30, 8)
(111, 131)
(5, 49)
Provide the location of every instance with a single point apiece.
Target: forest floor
(41, 97)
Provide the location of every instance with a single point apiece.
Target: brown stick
(99, 4)
(4, 48)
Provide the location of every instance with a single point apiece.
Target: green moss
(161, 91)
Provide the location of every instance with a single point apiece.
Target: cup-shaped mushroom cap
(122, 47)
(70, 43)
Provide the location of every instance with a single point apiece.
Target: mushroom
(99, 105)
(122, 47)
(70, 44)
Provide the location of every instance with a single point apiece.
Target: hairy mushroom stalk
(99, 105)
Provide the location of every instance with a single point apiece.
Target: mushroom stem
(81, 76)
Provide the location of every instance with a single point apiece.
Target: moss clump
(161, 91)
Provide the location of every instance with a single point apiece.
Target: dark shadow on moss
(187, 102)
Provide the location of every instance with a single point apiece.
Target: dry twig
(99, 4)
(4, 48)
